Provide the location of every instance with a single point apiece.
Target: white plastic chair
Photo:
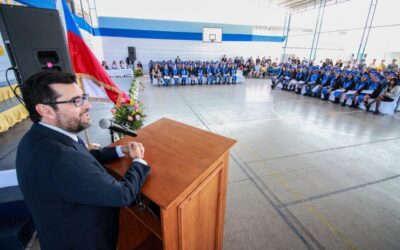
(387, 108)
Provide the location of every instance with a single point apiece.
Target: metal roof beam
(284, 2)
(302, 4)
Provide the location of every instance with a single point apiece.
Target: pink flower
(137, 117)
(113, 111)
(130, 118)
(137, 106)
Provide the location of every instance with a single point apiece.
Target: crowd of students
(357, 84)
(165, 73)
(350, 82)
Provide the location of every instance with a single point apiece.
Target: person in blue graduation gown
(279, 77)
(289, 75)
(301, 76)
(334, 84)
(348, 84)
(166, 75)
(233, 74)
(200, 74)
(209, 73)
(375, 88)
(218, 73)
(192, 75)
(316, 91)
(183, 74)
(175, 74)
(225, 72)
(360, 86)
(311, 82)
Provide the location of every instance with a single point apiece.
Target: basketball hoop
(212, 37)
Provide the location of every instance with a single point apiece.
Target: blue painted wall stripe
(169, 25)
(251, 38)
(150, 34)
(172, 35)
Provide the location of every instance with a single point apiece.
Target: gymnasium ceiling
(302, 5)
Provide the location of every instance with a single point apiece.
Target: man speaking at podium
(73, 200)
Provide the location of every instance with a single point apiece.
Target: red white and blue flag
(93, 77)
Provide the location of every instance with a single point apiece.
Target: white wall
(215, 11)
(241, 12)
(115, 48)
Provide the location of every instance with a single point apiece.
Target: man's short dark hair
(36, 89)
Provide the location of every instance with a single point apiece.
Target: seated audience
(390, 93)
(104, 65)
(360, 86)
(354, 81)
(156, 73)
(122, 64)
(197, 72)
(114, 65)
(348, 84)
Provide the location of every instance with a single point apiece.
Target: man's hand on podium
(134, 150)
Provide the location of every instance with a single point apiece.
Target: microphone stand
(123, 132)
(112, 135)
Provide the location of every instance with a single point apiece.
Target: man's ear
(46, 111)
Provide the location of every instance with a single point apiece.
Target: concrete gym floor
(305, 173)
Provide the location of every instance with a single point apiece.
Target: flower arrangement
(134, 89)
(129, 115)
(138, 72)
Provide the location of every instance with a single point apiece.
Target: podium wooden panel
(188, 182)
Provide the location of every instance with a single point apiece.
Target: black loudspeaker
(34, 39)
(132, 53)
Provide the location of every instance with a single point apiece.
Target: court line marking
(325, 150)
(316, 197)
(310, 208)
(292, 222)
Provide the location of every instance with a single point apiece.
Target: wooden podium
(187, 183)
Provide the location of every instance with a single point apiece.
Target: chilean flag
(94, 79)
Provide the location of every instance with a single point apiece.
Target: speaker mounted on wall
(132, 53)
(34, 39)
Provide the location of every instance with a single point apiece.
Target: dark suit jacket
(73, 200)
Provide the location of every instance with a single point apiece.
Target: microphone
(108, 124)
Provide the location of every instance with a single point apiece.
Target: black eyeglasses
(77, 101)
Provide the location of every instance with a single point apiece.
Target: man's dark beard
(81, 127)
(73, 129)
